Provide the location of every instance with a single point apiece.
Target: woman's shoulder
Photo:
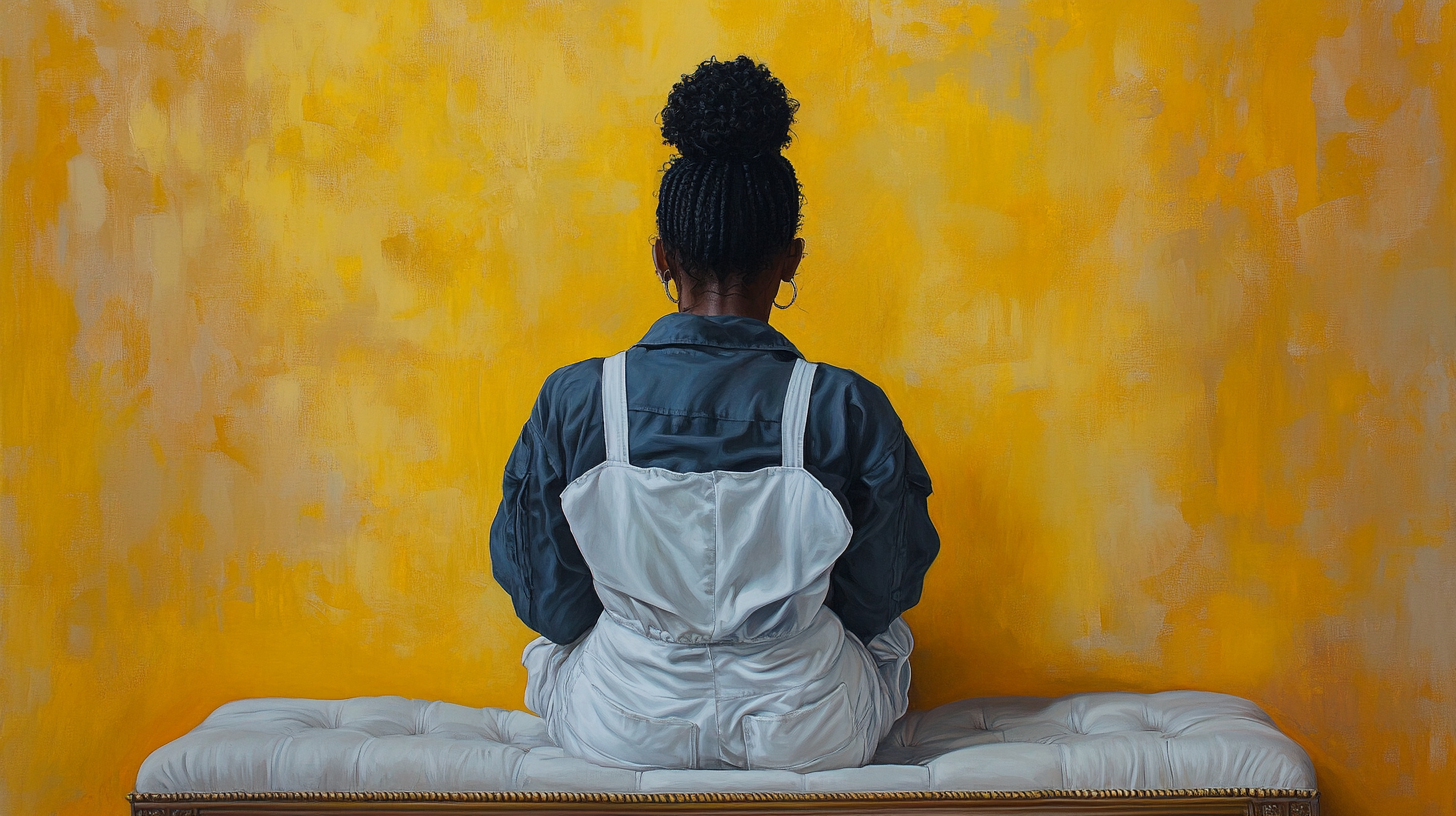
(865, 402)
(569, 391)
(572, 379)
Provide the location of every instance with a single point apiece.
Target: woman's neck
(708, 303)
(705, 295)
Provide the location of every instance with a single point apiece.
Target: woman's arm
(881, 573)
(533, 554)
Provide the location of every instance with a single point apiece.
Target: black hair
(729, 200)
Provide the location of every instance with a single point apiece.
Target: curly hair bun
(728, 110)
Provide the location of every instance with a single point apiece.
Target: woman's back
(718, 557)
(706, 394)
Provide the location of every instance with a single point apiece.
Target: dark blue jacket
(706, 393)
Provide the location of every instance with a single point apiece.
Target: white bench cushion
(1171, 740)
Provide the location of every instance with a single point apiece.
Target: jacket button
(895, 596)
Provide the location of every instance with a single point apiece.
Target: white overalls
(715, 649)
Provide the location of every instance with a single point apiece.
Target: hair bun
(725, 110)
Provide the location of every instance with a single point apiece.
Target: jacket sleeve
(533, 554)
(882, 571)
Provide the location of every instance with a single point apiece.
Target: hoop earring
(792, 299)
(667, 291)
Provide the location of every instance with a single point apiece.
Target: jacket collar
(721, 331)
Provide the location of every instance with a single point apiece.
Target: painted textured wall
(1165, 292)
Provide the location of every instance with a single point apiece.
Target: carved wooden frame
(1210, 801)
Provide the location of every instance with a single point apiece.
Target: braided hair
(729, 200)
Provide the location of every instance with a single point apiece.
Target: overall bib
(714, 649)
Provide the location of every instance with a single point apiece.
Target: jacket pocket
(609, 734)
(817, 737)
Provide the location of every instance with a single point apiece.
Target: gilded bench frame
(1207, 801)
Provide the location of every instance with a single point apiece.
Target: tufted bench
(1174, 752)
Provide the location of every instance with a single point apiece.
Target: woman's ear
(791, 259)
(659, 259)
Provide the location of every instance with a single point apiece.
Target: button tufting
(959, 746)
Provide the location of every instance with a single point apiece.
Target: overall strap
(796, 414)
(614, 406)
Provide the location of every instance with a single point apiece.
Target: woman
(715, 538)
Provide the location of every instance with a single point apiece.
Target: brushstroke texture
(1163, 289)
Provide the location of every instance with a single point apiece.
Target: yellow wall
(1164, 291)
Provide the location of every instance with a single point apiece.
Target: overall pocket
(818, 737)
(609, 734)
